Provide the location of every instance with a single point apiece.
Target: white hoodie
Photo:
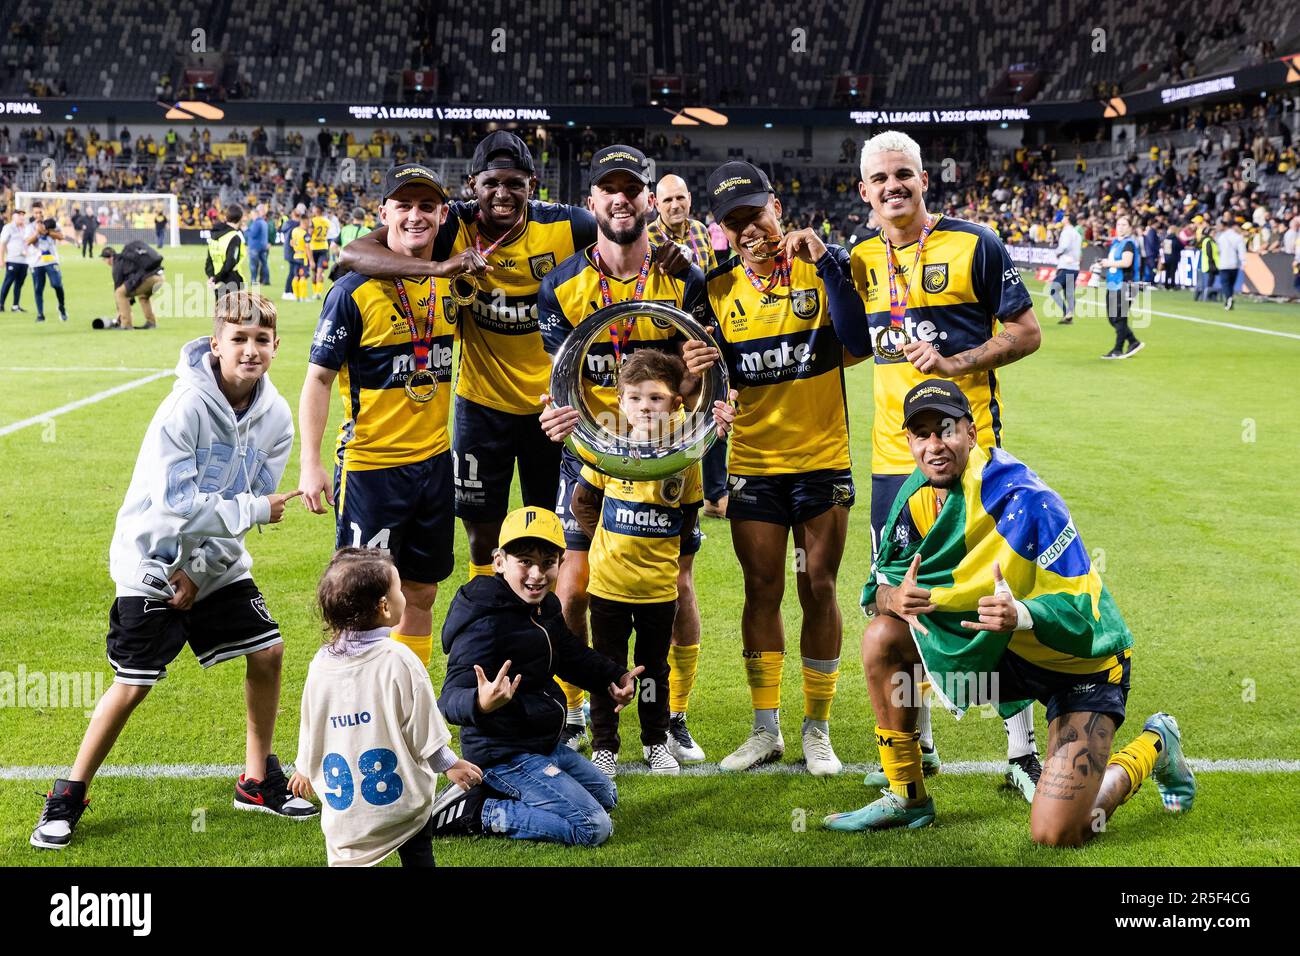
(190, 500)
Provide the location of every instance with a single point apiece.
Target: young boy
(638, 530)
(506, 640)
(207, 472)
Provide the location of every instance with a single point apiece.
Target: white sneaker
(288, 297)
(606, 762)
(761, 747)
(680, 742)
(661, 761)
(818, 754)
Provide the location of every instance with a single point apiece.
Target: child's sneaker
(458, 812)
(573, 736)
(606, 762)
(64, 805)
(271, 794)
(661, 761)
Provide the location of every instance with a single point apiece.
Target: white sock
(1020, 734)
(768, 719)
(923, 724)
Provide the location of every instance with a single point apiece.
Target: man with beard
(934, 288)
(617, 268)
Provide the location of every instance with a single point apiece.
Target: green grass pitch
(1178, 465)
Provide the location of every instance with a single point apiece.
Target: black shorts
(1105, 692)
(145, 634)
(884, 489)
(788, 499)
(320, 258)
(406, 510)
(575, 539)
(486, 443)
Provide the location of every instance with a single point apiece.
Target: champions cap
(937, 395)
(407, 173)
(737, 184)
(531, 522)
(617, 158)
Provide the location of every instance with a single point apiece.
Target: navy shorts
(574, 537)
(788, 499)
(145, 634)
(320, 258)
(884, 489)
(406, 510)
(1105, 692)
(486, 444)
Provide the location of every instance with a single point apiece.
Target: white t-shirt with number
(369, 725)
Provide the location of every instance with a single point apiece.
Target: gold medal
(421, 386)
(885, 347)
(460, 283)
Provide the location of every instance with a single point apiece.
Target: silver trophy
(689, 438)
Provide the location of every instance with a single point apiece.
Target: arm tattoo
(996, 352)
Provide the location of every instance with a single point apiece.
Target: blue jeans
(562, 798)
(40, 274)
(259, 272)
(1062, 290)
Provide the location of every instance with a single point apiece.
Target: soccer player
(319, 245)
(503, 367)
(789, 465)
(935, 288)
(621, 266)
(982, 574)
(178, 557)
(1123, 266)
(300, 266)
(389, 342)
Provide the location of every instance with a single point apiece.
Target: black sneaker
(1023, 773)
(1068, 320)
(63, 316)
(1132, 350)
(1113, 354)
(64, 805)
(458, 812)
(573, 736)
(271, 794)
(40, 318)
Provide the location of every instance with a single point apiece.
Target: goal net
(121, 216)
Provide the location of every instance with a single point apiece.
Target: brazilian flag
(1001, 512)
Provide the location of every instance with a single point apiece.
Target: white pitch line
(77, 368)
(81, 403)
(957, 769)
(1192, 318)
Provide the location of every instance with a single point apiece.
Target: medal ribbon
(780, 277)
(478, 242)
(620, 339)
(420, 341)
(898, 307)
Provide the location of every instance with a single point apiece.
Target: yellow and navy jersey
(502, 362)
(320, 230)
(634, 555)
(363, 335)
(967, 283)
(787, 364)
(571, 292)
(298, 243)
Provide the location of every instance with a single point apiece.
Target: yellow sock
(317, 287)
(422, 645)
(486, 570)
(763, 672)
(573, 694)
(900, 758)
(1138, 758)
(682, 662)
(818, 692)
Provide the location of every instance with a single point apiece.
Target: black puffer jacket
(488, 624)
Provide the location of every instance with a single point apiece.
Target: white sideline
(1199, 321)
(81, 403)
(956, 768)
(76, 368)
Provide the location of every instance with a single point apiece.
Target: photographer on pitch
(137, 274)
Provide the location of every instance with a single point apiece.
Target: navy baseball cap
(618, 158)
(937, 395)
(501, 149)
(407, 173)
(737, 184)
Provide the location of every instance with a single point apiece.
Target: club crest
(540, 265)
(672, 489)
(934, 278)
(805, 302)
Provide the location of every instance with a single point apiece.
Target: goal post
(122, 217)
